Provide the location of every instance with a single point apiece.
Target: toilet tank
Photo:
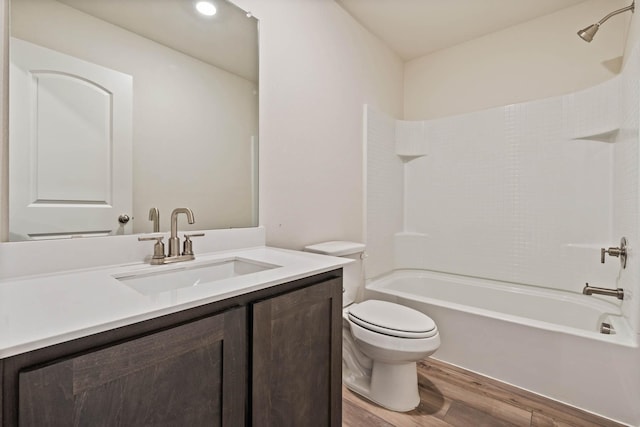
(352, 273)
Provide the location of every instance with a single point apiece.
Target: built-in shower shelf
(411, 234)
(411, 140)
(408, 157)
(607, 135)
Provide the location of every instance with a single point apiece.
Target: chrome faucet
(589, 290)
(174, 241)
(154, 215)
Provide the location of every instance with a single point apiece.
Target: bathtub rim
(624, 334)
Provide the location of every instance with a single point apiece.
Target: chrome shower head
(587, 33)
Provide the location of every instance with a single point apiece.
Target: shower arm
(631, 7)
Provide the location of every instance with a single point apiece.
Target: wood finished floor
(451, 396)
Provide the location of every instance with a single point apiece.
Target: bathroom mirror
(120, 106)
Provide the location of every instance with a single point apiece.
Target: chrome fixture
(187, 246)
(606, 328)
(616, 252)
(590, 290)
(154, 215)
(123, 219)
(174, 254)
(174, 240)
(158, 249)
(589, 32)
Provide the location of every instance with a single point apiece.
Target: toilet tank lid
(336, 248)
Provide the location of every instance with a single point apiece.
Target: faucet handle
(187, 247)
(158, 238)
(620, 252)
(158, 248)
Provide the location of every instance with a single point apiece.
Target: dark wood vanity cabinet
(188, 375)
(269, 358)
(297, 358)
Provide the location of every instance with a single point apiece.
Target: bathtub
(542, 340)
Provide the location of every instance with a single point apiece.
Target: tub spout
(589, 290)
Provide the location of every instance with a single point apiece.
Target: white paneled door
(70, 146)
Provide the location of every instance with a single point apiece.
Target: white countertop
(39, 311)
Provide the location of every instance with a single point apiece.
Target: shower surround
(523, 194)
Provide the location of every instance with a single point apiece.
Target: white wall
(4, 120)
(317, 68)
(193, 122)
(537, 59)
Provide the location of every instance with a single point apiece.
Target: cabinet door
(189, 375)
(297, 358)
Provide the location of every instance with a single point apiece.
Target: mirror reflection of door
(70, 133)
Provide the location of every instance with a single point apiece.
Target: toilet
(381, 341)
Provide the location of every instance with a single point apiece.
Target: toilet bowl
(382, 341)
(394, 338)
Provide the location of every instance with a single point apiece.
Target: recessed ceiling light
(206, 8)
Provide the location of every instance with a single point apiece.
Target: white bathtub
(542, 340)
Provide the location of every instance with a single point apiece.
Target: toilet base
(393, 386)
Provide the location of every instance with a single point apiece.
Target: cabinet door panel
(297, 357)
(173, 377)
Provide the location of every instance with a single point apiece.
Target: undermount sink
(190, 275)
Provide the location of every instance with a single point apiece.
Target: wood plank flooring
(451, 396)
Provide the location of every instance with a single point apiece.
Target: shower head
(587, 33)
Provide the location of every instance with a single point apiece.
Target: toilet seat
(392, 319)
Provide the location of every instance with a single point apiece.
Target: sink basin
(190, 275)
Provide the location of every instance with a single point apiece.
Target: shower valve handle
(616, 252)
(620, 252)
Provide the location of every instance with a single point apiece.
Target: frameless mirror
(120, 106)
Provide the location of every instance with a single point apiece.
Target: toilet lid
(392, 319)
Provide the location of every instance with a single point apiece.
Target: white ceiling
(228, 40)
(413, 28)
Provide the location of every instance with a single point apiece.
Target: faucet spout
(590, 290)
(154, 216)
(174, 240)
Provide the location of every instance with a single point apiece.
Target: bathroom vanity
(261, 349)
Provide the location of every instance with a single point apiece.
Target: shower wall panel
(626, 159)
(384, 183)
(505, 195)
